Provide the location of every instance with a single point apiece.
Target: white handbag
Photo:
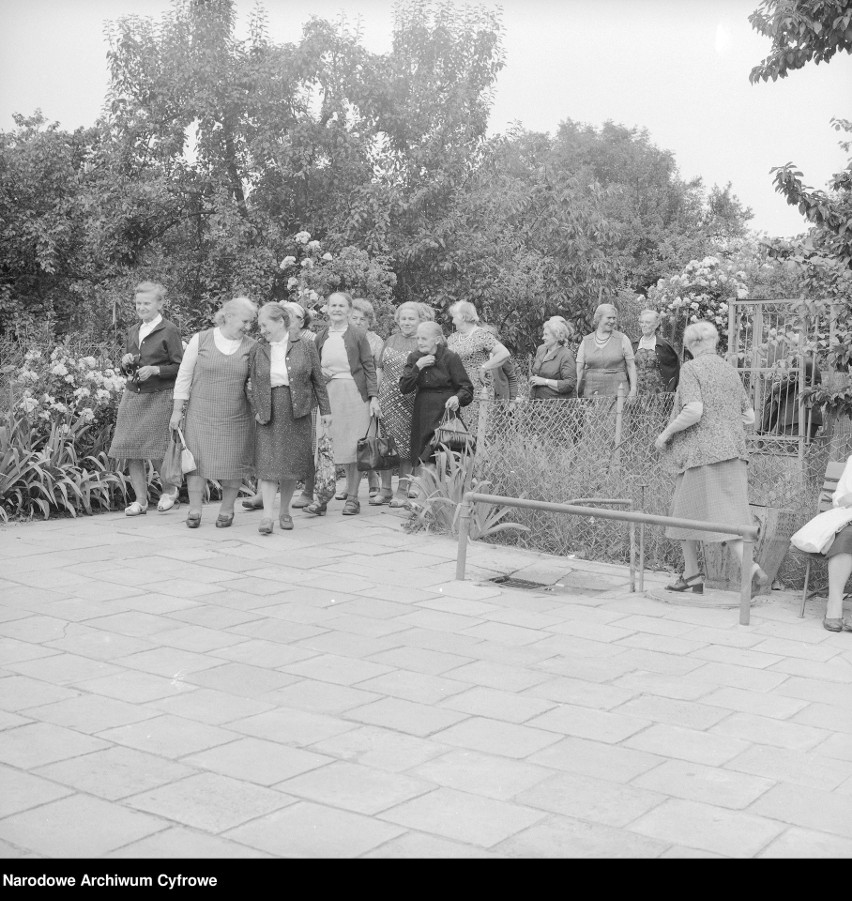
(816, 535)
(187, 461)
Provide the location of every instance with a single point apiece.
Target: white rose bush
(55, 433)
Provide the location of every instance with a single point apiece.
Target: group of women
(246, 406)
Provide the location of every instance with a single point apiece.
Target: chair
(832, 475)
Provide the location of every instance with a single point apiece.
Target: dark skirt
(717, 492)
(142, 426)
(283, 449)
(427, 413)
(842, 543)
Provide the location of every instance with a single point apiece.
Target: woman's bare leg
(839, 570)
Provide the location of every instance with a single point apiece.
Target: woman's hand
(146, 372)
(537, 380)
(375, 409)
(423, 362)
(452, 403)
(175, 421)
(662, 440)
(327, 373)
(257, 417)
(325, 421)
(127, 359)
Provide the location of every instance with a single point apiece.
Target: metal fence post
(464, 528)
(745, 581)
(642, 488)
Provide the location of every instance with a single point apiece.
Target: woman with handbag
(153, 355)
(350, 373)
(441, 383)
(210, 392)
(286, 379)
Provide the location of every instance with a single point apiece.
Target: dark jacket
(162, 348)
(667, 361)
(781, 407)
(305, 373)
(448, 374)
(361, 363)
(558, 364)
(505, 381)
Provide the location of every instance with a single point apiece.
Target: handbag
(325, 475)
(170, 469)
(187, 461)
(378, 451)
(817, 535)
(453, 434)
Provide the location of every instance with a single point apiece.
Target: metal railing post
(642, 488)
(745, 581)
(464, 529)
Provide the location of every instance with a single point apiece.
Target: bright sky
(676, 67)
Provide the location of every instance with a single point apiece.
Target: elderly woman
(210, 393)
(364, 317)
(657, 365)
(300, 320)
(347, 364)
(478, 349)
(286, 380)
(397, 407)
(440, 381)
(605, 357)
(708, 449)
(153, 354)
(554, 370)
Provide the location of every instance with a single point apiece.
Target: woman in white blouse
(210, 392)
(287, 380)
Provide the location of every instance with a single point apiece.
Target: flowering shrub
(312, 274)
(61, 389)
(703, 290)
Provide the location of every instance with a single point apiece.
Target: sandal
(836, 625)
(193, 520)
(265, 527)
(374, 490)
(253, 503)
(167, 501)
(398, 501)
(224, 520)
(341, 496)
(351, 507)
(688, 583)
(285, 521)
(136, 509)
(301, 502)
(383, 496)
(316, 508)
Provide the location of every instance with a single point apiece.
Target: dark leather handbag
(453, 434)
(377, 451)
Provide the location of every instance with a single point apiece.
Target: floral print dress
(396, 406)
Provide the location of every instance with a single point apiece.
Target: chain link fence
(561, 451)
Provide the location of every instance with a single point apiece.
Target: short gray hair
(561, 328)
(234, 308)
(154, 288)
(364, 306)
(701, 332)
(432, 329)
(466, 309)
(424, 312)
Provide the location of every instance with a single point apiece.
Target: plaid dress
(219, 422)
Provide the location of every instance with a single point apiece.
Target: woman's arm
(174, 354)
(460, 379)
(317, 380)
(630, 363)
(567, 381)
(410, 378)
(581, 365)
(499, 355)
(183, 382)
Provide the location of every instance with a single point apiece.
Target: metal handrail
(748, 533)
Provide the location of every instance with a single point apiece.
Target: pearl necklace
(604, 342)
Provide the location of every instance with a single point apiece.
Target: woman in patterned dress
(480, 353)
(397, 407)
(708, 449)
(210, 392)
(657, 365)
(286, 381)
(605, 358)
(153, 354)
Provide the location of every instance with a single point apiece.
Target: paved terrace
(334, 692)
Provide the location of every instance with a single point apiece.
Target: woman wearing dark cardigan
(286, 379)
(657, 364)
(152, 359)
(438, 376)
(554, 370)
(350, 373)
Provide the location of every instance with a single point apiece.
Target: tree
(801, 31)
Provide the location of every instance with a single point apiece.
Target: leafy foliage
(801, 31)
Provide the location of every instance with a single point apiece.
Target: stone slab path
(334, 692)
